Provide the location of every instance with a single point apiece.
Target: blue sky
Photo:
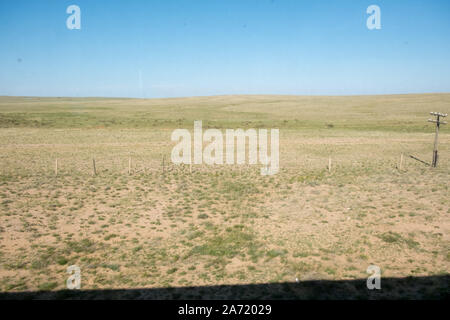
(189, 48)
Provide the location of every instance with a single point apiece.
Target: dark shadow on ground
(433, 287)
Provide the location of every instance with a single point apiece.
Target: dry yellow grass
(221, 224)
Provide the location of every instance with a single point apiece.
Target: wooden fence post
(93, 164)
(163, 164)
(129, 165)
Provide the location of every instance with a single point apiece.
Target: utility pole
(438, 122)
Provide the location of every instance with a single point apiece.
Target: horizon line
(223, 95)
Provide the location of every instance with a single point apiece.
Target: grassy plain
(221, 224)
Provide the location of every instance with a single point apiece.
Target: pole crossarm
(436, 121)
(439, 114)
